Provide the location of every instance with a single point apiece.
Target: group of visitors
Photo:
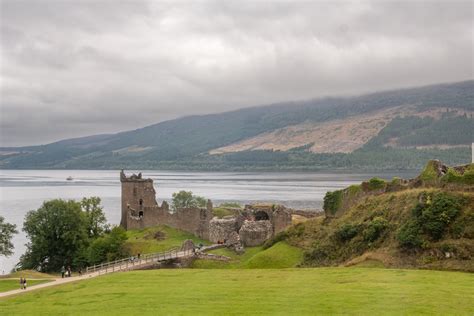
(23, 283)
(66, 273)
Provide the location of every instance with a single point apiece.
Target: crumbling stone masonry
(250, 227)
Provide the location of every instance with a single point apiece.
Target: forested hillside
(404, 141)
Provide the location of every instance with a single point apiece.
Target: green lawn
(362, 291)
(144, 241)
(13, 284)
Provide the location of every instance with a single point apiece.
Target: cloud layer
(72, 69)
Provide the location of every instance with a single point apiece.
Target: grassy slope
(396, 209)
(281, 255)
(143, 241)
(253, 291)
(13, 284)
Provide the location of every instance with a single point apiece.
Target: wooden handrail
(112, 265)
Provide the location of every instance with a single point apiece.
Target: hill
(394, 129)
(426, 222)
(256, 292)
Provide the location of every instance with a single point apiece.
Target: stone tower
(137, 193)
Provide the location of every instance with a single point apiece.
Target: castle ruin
(250, 226)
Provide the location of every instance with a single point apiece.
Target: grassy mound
(157, 239)
(255, 291)
(280, 255)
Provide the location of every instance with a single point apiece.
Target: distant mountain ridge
(185, 143)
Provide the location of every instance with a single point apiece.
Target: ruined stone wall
(221, 229)
(281, 219)
(192, 220)
(253, 225)
(254, 233)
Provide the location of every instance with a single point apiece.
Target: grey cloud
(78, 68)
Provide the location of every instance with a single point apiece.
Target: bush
(332, 202)
(346, 232)
(431, 217)
(409, 235)
(375, 229)
(452, 176)
(318, 254)
(376, 184)
(296, 230)
(436, 217)
(109, 247)
(469, 174)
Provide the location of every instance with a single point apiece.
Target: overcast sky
(76, 68)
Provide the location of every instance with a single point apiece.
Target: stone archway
(261, 216)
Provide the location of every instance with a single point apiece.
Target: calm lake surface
(24, 190)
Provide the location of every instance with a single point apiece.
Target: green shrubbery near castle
(332, 201)
(430, 220)
(453, 176)
(376, 183)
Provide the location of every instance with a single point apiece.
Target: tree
(7, 231)
(108, 247)
(186, 199)
(95, 217)
(57, 233)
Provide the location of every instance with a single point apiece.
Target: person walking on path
(24, 284)
(62, 272)
(21, 283)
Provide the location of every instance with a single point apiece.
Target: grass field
(255, 291)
